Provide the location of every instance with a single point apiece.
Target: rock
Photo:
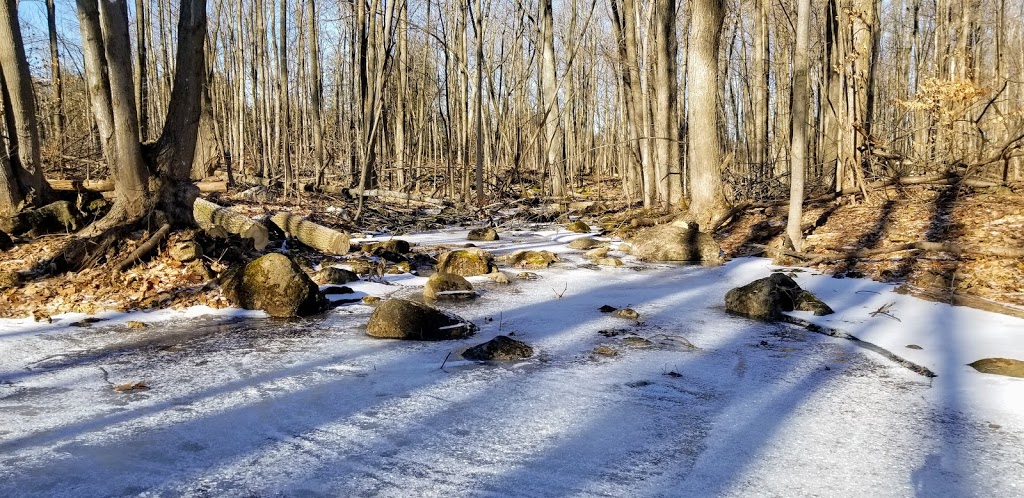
(448, 286)
(607, 309)
(532, 259)
(1000, 366)
(333, 290)
(333, 275)
(527, 275)
(499, 277)
(628, 313)
(390, 256)
(585, 243)
(605, 351)
(420, 262)
(805, 301)
(578, 226)
(597, 253)
(403, 319)
(363, 266)
(635, 341)
(501, 348)
(609, 261)
(59, 216)
(9, 279)
(671, 242)
(394, 245)
(6, 243)
(483, 234)
(275, 284)
(186, 251)
(768, 297)
(913, 346)
(398, 268)
(371, 300)
(466, 262)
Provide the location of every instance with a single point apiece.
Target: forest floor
(986, 218)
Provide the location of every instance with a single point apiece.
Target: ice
(243, 405)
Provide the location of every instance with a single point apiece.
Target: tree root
(143, 249)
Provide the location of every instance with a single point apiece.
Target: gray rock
(767, 298)
(275, 284)
(403, 319)
(674, 242)
(448, 286)
(483, 234)
(501, 348)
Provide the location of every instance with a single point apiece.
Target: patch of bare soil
(983, 219)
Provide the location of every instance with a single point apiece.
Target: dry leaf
(127, 388)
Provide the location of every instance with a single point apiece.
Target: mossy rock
(404, 319)
(468, 262)
(394, 245)
(501, 348)
(448, 286)
(9, 279)
(672, 242)
(185, 251)
(806, 301)
(275, 284)
(765, 298)
(578, 226)
(483, 234)
(333, 275)
(585, 243)
(1000, 366)
(532, 259)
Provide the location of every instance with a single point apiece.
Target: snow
(243, 405)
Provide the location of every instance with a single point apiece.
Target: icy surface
(242, 405)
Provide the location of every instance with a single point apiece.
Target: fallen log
(108, 185)
(399, 196)
(318, 237)
(216, 218)
(143, 249)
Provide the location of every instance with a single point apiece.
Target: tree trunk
(29, 168)
(799, 105)
(707, 201)
(552, 145)
(666, 124)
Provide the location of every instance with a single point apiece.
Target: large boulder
(468, 262)
(676, 242)
(403, 319)
(532, 259)
(483, 234)
(585, 243)
(1000, 366)
(767, 298)
(501, 348)
(447, 286)
(275, 284)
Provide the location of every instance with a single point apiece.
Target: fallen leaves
(131, 387)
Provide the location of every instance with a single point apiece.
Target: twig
(445, 360)
(559, 295)
(884, 310)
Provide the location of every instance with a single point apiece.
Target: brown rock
(672, 242)
(1000, 366)
(532, 259)
(585, 243)
(333, 275)
(403, 319)
(483, 234)
(578, 226)
(501, 348)
(186, 251)
(467, 262)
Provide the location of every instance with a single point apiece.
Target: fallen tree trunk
(143, 249)
(399, 196)
(318, 237)
(108, 185)
(216, 219)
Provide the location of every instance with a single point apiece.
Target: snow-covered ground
(241, 405)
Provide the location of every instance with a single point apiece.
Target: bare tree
(707, 201)
(799, 106)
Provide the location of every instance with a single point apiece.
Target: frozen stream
(240, 405)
